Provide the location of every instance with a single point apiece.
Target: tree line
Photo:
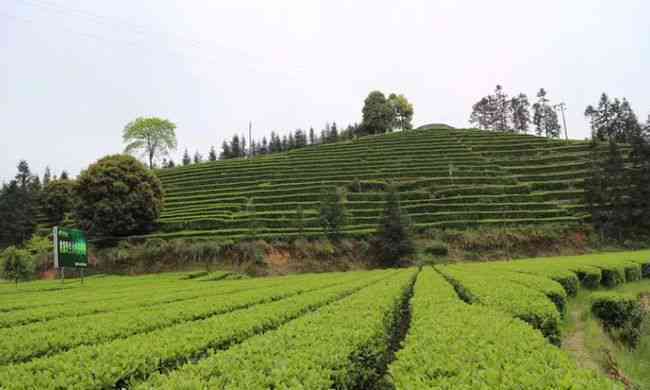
(380, 114)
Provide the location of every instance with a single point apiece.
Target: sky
(73, 73)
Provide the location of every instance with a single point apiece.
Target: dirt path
(575, 343)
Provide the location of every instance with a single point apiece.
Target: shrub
(437, 249)
(17, 264)
(621, 314)
(118, 196)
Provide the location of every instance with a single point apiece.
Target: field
(446, 178)
(481, 325)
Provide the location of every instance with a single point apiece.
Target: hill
(446, 177)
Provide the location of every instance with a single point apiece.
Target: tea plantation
(463, 326)
(446, 178)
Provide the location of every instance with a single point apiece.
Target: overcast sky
(74, 72)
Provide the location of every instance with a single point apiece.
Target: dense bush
(118, 196)
(393, 242)
(621, 314)
(437, 249)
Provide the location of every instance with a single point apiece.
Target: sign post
(70, 250)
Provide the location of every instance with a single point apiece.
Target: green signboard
(70, 248)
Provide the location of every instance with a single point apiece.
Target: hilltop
(446, 177)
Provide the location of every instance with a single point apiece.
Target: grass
(593, 348)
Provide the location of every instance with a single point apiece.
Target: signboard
(70, 248)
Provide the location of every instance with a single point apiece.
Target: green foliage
(153, 137)
(17, 264)
(18, 207)
(378, 114)
(545, 117)
(118, 196)
(332, 213)
(477, 344)
(58, 200)
(403, 110)
(621, 314)
(393, 242)
(436, 249)
(613, 120)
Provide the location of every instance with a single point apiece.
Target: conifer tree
(393, 241)
(545, 117)
(312, 136)
(47, 176)
(186, 158)
(197, 157)
(212, 156)
(226, 153)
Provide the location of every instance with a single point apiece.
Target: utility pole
(562, 108)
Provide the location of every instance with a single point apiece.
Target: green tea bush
(622, 315)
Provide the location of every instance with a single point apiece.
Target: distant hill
(433, 126)
(447, 178)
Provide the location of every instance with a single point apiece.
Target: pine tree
(264, 148)
(333, 214)
(171, 164)
(502, 110)
(186, 158)
(393, 241)
(244, 147)
(235, 147)
(47, 176)
(226, 153)
(613, 120)
(334, 133)
(197, 158)
(312, 136)
(212, 156)
(64, 175)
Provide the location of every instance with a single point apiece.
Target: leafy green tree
(613, 120)
(118, 196)
(58, 200)
(483, 113)
(403, 111)
(47, 177)
(393, 241)
(378, 114)
(545, 117)
(333, 213)
(187, 160)
(17, 264)
(152, 137)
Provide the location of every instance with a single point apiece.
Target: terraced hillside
(446, 177)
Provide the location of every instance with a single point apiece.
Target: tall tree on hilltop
(312, 136)
(402, 112)
(18, 206)
(300, 138)
(545, 117)
(64, 175)
(47, 176)
(212, 156)
(613, 120)
(519, 111)
(264, 147)
(197, 157)
(153, 137)
(226, 153)
(502, 110)
(333, 135)
(187, 160)
(378, 114)
(483, 113)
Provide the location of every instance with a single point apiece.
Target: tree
(545, 117)
(226, 153)
(47, 176)
(212, 156)
(171, 163)
(64, 175)
(17, 264)
(613, 120)
(18, 206)
(187, 160)
(639, 193)
(519, 111)
(58, 200)
(403, 111)
(501, 110)
(300, 138)
(153, 137)
(313, 140)
(393, 241)
(378, 114)
(197, 157)
(333, 214)
(118, 196)
(483, 114)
